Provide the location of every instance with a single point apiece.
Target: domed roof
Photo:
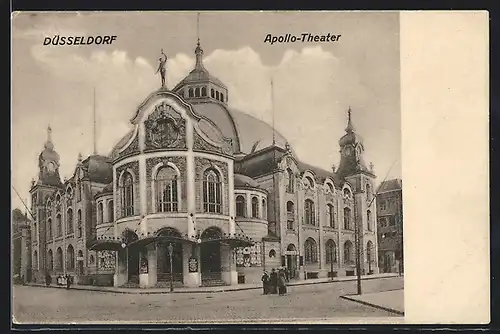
(247, 132)
(98, 168)
(244, 181)
(108, 188)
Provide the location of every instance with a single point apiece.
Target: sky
(314, 83)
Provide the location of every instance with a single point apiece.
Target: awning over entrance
(104, 244)
(232, 241)
(156, 238)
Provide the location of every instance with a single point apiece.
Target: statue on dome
(162, 67)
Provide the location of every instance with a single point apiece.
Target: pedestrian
(281, 282)
(48, 279)
(68, 282)
(265, 282)
(273, 282)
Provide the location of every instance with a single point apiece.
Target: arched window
(35, 260)
(222, 97)
(264, 209)
(330, 251)
(35, 231)
(78, 192)
(49, 228)
(289, 187)
(100, 213)
(212, 192)
(197, 92)
(212, 93)
(79, 223)
(348, 254)
(190, 92)
(60, 259)
(347, 193)
(347, 219)
(272, 253)
(330, 187)
(240, 206)
(204, 91)
(369, 220)
(369, 193)
(69, 219)
(127, 195)
(330, 215)
(369, 251)
(58, 225)
(166, 190)
(255, 207)
(310, 251)
(91, 259)
(309, 212)
(50, 260)
(111, 211)
(70, 262)
(309, 182)
(217, 95)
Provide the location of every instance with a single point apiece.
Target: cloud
(312, 91)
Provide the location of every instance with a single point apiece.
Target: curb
(166, 291)
(388, 309)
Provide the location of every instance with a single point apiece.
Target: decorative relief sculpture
(165, 129)
(132, 148)
(202, 145)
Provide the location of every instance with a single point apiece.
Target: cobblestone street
(319, 301)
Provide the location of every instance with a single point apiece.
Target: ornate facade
(198, 193)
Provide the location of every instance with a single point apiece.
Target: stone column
(190, 279)
(229, 273)
(152, 264)
(120, 276)
(230, 186)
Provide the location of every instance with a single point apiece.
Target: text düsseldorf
(81, 40)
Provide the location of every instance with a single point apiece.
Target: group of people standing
(275, 283)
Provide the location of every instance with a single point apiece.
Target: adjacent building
(390, 226)
(201, 194)
(21, 246)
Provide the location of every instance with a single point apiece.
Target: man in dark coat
(274, 282)
(265, 282)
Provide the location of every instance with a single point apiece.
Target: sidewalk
(206, 289)
(392, 301)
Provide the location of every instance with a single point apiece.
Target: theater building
(200, 194)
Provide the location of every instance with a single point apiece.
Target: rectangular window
(289, 225)
(383, 205)
(392, 221)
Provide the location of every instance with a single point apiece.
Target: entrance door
(388, 263)
(133, 265)
(210, 261)
(291, 261)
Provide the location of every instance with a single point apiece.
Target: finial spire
(48, 143)
(198, 51)
(198, 27)
(80, 157)
(350, 127)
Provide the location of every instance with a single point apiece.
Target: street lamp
(170, 252)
